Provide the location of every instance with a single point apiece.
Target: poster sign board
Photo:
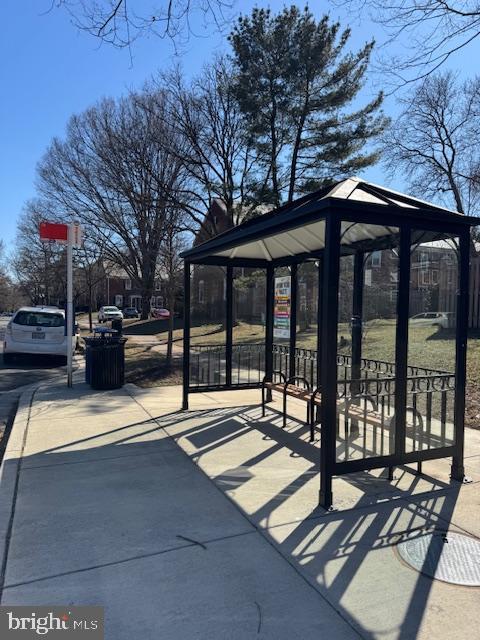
(281, 312)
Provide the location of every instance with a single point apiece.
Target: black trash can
(105, 361)
(117, 325)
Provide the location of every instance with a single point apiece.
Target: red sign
(53, 231)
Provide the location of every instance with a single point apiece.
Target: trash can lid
(104, 330)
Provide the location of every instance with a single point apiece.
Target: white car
(443, 319)
(36, 331)
(109, 313)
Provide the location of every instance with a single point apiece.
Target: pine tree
(295, 84)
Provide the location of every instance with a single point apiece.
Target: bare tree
(435, 140)
(116, 173)
(10, 296)
(216, 151)
(38, 267)
(92, 268)
(430, 31)
(121, 22)
(171, 266)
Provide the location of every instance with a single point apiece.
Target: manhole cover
(450, 557)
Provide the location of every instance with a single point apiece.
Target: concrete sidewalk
(350, 556)
(100, 505)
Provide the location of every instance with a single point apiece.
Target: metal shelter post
(269, 304)
(331, 272)
(186, 334)
(458, 470)
(293, 319)
(229, 326)
(401, 344)
(319, 332)
(69, 314)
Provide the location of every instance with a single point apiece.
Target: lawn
(147, 367)
(428, 347)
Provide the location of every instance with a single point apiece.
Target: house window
(118, 300)
(424, 259)
(201, 291)
(128, 284)
(376, 259)
(434, 277)
(425, 276)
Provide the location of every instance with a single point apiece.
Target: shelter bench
(290, 387)
(350, 407)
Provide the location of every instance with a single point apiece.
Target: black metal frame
(411, 224)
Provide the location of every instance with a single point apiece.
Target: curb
(9, 473)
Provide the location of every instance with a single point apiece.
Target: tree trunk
(296, 150)
(90, 320)
(146, 296)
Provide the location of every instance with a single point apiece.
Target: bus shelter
(364, 301)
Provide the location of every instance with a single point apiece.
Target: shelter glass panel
(367, 324)
(249, 311)
(307, 322)
(345, 310)
(434, 285)
(208, 326)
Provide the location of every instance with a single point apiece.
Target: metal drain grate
(450, 557)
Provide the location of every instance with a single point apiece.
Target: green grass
(146, 367)
(428, 347)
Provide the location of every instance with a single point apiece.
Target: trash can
(105, 360)
(117, 325)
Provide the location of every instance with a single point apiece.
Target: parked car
(37, 330)
(130, 312)
(160, 313)
(109, 313)
(443, 319)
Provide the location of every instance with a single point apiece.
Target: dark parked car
(130, 312)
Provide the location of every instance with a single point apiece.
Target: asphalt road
(25, 371)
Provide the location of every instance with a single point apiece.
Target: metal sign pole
(69, 303)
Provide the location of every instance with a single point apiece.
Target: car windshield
(110, 308)
(39, 319)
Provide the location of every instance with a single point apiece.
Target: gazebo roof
(369, 213)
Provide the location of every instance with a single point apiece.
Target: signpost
(71, 235)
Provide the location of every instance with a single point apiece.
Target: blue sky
(50, 70)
